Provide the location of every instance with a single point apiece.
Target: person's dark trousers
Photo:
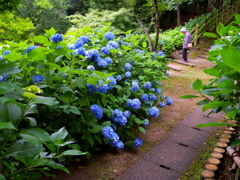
(184, 54)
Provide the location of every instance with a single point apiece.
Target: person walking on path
(187, 40)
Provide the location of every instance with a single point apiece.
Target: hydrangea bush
(95, 84)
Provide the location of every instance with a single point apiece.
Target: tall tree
(8, 5)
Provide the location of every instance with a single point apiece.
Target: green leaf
(32, 109)
(75, 110)
(35, 136)
(92, 81)
(80, 82)
(14, 112)
(59, 135)
(50, 32)
(231, 57)
(6, 88)
(2, 177)
(45, 100)
(73, 153)
(214, 124)
(200, 103)
(197, 85)
(141, 129)
(23, 149)
(235, 143)
(32, 121)
(41, 39)
(216, 104)
(188, 97)
(9, 68)
(96, 129)
(61, 167)
(6, 125)
(208, 34)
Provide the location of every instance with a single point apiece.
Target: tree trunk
(178, 15)
(157, 25)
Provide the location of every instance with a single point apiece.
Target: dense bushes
(74, 93)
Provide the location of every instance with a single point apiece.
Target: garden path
(175, 153)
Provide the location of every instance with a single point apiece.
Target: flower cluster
(154, 112)
(109, 35)
(91, 67)
(118, 117)
(146, 122)
(4, 78)
(37, 78)
(128, 67)
(135, 86)
(97, 111)
(134, 103)
(112, 45)
(137, 142)
(33, 89)
(147, 85)
(144, 97)
(56, 38)
(114, 139)
(128, 74)
(105, 50)
(30, 48)
(29, 95)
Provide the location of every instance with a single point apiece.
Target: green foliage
(8, 5)
(40, 120)
(45, 14)
(222, 92)
(14, 28)
(122, 20)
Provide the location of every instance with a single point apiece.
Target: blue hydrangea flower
(108, 60)
(131, 62)
(97, 111)
(159, 83)
(56, 37)
(4, 78)
(158, 91)
(167, 74)
(1, 58)
(119, 77)
(144, 97)
(164, 96)
(92, 54)
(146, 122)
(153, 89)
(154, 112)
(122, 121)
(109, 35)
(6, 52)
(102, 88)
(107, 132)
(137, 142)
(91, 67)
(135, 86)
(114, 126)
(102, 63)
(79, 51)
(128, 67)
(161, 53)
(105, 50)
(91, 88)
(37, 78)
(128, 74)
(161, 42)
(119, 145)
(147, 85)
(112, 45)
(149, 103)
(129, 103)
(153, 97)
(127, 114)
(169, 101)
(84, 39)
(162, 104)
(78, 44)
(31, 48)
(114, 139)
(139, 51)
(136, 104)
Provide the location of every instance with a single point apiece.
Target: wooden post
(196, 35)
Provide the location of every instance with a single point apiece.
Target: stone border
(217, 154)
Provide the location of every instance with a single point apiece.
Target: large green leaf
(23, 149)
(35, 136)
(32, 109)
(55, 165)
(208, 34)
(216, 104)
(188, 97)
(6, 125)
(6, 87)
(45, 100)
(231, 57)
(14, 112)
(9, 68)
(73, 153)
(197, 85)
(80, 82)
(214, 124)
(59, 135)
(41, 39)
